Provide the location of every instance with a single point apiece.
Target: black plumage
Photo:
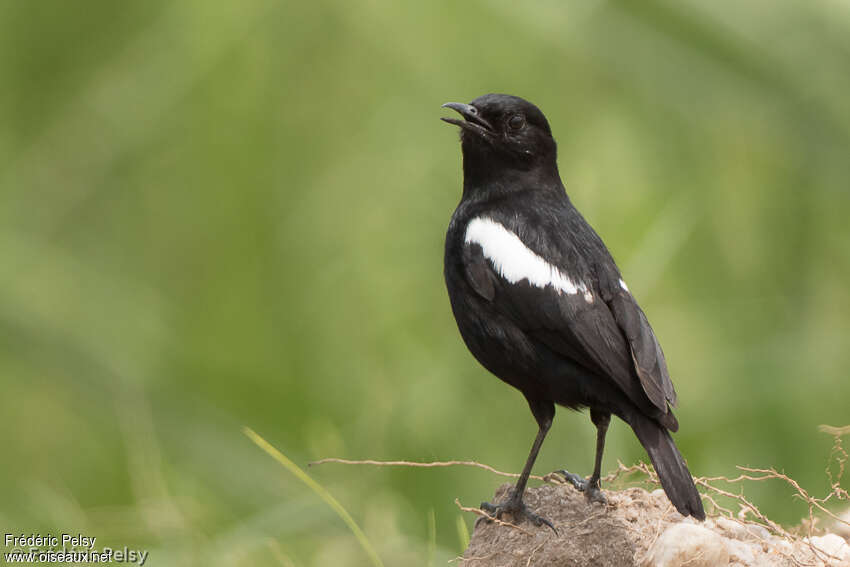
(541, 304)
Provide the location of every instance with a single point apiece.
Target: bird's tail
(669, 465)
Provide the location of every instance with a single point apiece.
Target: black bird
(541, 304)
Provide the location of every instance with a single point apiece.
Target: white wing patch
(623, 285)
(516, 262)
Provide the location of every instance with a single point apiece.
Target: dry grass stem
(534, 552)
(486, 516)
(434, 464)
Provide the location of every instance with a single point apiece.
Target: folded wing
(588, 316)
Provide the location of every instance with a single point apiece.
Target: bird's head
(502, 132)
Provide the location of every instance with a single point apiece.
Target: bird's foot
(517, 509)
(589, 486)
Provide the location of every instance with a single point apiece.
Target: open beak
(472, 119)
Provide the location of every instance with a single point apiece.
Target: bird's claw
(517, 509)
(590, 486)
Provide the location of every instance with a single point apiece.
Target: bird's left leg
(590, 486)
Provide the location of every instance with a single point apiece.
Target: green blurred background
(224, 214)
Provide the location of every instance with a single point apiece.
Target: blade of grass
(318, 489)
(432, 536)
(278, 553)
(462, 533)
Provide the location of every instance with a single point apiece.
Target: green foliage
(216, 215)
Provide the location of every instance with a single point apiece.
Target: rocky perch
(639, 528)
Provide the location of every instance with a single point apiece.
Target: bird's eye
(516, 122)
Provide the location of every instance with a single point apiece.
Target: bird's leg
(543, 413)
(601, 421)
(590, 487)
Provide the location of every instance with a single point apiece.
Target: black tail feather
(668, 462)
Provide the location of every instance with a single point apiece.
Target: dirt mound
(637, 528)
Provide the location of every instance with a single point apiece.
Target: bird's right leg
(543, 412)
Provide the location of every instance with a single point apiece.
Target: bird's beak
(472, 118)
